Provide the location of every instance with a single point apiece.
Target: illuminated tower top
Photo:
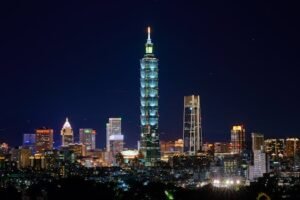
(149, 34)
(67, 133)
(67, 124)
(149, 44)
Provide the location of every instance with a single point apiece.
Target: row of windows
(151, 84)
(149, 93)
(151, 103)
(152, 121)
(151, 75)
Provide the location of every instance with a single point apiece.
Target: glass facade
(44, 139)
(192, 131)
(114, 139)
(149, 105)
(238, 144)
(28, 139)
(87, 136)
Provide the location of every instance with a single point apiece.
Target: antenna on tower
(149, 33)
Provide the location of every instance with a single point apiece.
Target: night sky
(81, 60)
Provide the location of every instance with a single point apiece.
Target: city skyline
(99, 66)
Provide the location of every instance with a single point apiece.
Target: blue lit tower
(149, 105)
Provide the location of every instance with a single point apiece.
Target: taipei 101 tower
(149, 105)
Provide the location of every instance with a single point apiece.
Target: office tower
(87, 136)
(44, 139)
(192, 130)
(77, 149)
(29, 140)
(115, 139)
(259, 167)
(24, 156)
(66, 134)
(257, 141)
(37, 161)
(275, 147)
(220, 147)
(171, 146)
(149, 105)
(292, 146)
(238, 139)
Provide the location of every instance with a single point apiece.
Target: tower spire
(149, 34)
(149, 45)
(67, 123)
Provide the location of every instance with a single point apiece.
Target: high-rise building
(44, 139)
(257, 141)
(238, 139)
(115, 139)
(275, 147)
(24, 156)
(87, 136)
(259, 167)
(66, 134)
(77, 149)
(29, 140)
(292, 146)
(221, 147)
(192, 130)
(149, 105)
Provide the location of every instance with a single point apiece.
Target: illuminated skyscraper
(238, 139)
(192, 130)
(29, 140)
(149, 105)
(44, 139)
(259, 166)
(66, 134)
(87, 136)
(275, 147)
(114, 138)
(257, 141)
(292, 147)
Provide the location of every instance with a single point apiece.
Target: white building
(259, 168)
(67, 134)
(114, 139)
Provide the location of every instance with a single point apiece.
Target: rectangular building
(192, 130)
(292, 146)
(87, 136)
(238, 140)
(44, 139)
(257, 141)
(275, 147)
(29, 141)
(114, 139)
(171, 146)
(259, 166)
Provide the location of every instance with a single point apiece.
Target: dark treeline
(78, 188)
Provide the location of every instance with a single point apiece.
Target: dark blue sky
(81, 60)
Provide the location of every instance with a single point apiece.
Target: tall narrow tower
(66, 134)
(114, 139)
(238, 142)
(192, 130)
(149, 105)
